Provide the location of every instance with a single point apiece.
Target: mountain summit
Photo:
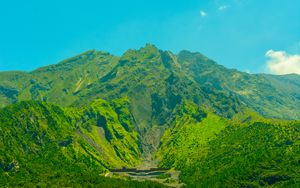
(95, 74)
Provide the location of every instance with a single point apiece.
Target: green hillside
(69, 123)
(145, 72)
(218, 152)
(43, 142)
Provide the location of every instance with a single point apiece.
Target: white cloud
(282, 63)
(202, 13)
(223, 7)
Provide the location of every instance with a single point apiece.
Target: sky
(249, 35)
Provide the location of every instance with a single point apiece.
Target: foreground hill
(218, 152)
(43, 143)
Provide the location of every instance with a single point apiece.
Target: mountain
(97, 111)
(96, 74)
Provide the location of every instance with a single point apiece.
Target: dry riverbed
(167, 177)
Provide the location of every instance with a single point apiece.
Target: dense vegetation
(222, 153)
(147, 72)
(69, 179)
(43, 143)
(97, 111)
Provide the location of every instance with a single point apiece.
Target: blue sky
(249, 35)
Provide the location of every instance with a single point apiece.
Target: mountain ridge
(96, 111)
(156, 83)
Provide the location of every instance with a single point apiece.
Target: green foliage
(226, 154)
(59, 83)
(197, 116)
(110, 125)
(254, 155)
(71, 179)
(146, 73)
(187, 142)
(270, 95)
(48, 144)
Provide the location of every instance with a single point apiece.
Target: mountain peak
(149, 46)
(149, 51)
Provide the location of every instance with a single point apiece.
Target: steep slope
(156, 83)
(149, 78)
(144, 74)
(57, 83)
(42, 141)
(270, 95)
(108, 126)
(30, 129)
(249, 151)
